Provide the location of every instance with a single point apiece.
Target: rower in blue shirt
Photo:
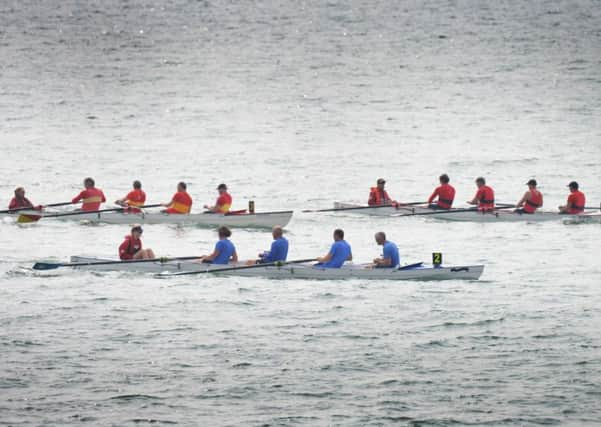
(390, 257)
(340, 251)
(278, 251)
(224, 251)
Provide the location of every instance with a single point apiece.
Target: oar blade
(46, 266)
(24, 219)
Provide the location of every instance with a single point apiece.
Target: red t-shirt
(181, 203)
(223, 203)
(485, 197)
(446, 195)
(576, 202)
(91, 198)
(129, 247)
(16, 203)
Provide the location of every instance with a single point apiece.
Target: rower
(340, 251)
(445, 193)
(134, 198)
(91, 197)
(20, 201)
(180, 203)
(379, 196)
(224, 251)
(223, 203)
(390, 257)
(576, 201)
(278, 250)
(131, 248)
(485, 196)
(531, 200)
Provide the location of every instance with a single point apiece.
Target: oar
(353, 208)
(244, 267)
(52, 266)
(97, 211)
(51, 205)
(438, 211)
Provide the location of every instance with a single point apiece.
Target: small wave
(242, 365)
(130, 397)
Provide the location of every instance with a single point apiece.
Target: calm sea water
(295, 105)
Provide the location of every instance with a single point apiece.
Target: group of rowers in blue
(443, 196)
(225, 251)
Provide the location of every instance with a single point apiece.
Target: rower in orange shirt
(134, 198)
(576, 201)
(224, 201)
(180, 203)
(379, 196)
(531, 200)
(485, 196)
(90, 196)
(445, 193)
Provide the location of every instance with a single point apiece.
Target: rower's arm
(211, 257)
(234, 257)
(325, 258)
(433, 196)
(523, 199)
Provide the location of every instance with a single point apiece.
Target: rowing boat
(587, 218)
(250, 220)
(498, 216)
(291, 271)
(384, 210)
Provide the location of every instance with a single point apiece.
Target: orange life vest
(377, 197)
(535, 201)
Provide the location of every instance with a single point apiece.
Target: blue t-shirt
(226, 249)
(340, 252)
(391, 252)
(278, 251)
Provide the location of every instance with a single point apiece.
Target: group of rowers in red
(91, 198)
(444, 195)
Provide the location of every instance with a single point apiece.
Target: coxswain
(20, 201)
(576, 201)
(180, 203)
(91, 197)
(278, 250)
(339, 252)
(224, 251)
(134, 199)
(531, 200)
(224, 201)
(444, 192)
(390, 256)
(379, 196)
(131, 248)
(485, 196)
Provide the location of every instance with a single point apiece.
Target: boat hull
(499, 216)
(256, 220)
(294, 271)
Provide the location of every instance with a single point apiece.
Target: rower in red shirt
(485, 196)
(445, 193)
(576, 201)
(91, 196)
(224, 201)
(134, 198)
(181, 202)
(131, 248)
(20, 201)
(531, 200)
(379, 196)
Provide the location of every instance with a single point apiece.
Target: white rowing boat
(289, 271)
(254, 220)
(499, 215)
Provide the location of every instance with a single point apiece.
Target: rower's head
(573, 186)
(480, 181)
(136, 231)
(338, 234)
(222, 188)
(224, 232)
(381, 183)
(181, 186)
(89, 182)
(380, 237)
(19, 192)
(532, 184)
(444, 178)
(277, 232)
(137, 184)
